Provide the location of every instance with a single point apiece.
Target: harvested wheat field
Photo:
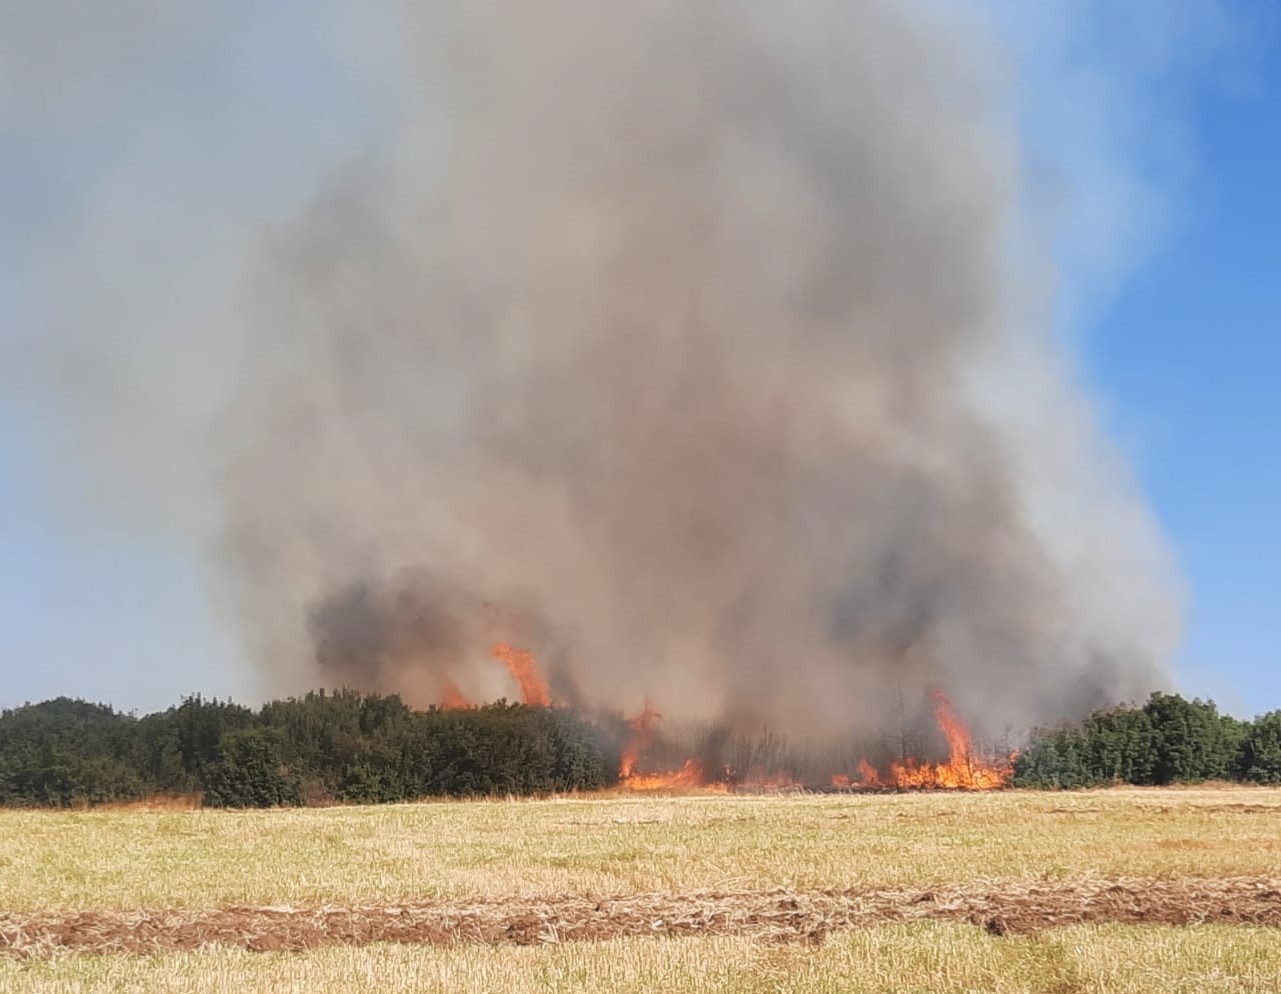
(1120, 890)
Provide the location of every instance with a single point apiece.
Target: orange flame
(689, 775)
(452, 698)
(523, 666)
(963, 769)
(642, 727)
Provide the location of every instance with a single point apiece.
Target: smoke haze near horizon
(703, 350)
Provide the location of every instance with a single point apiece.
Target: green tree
(1191, 741)
(248, 772)
(1261, 749)
(1120, 746)
(1055, 758)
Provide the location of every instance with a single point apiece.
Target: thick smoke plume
(681, 339)
(696, 348)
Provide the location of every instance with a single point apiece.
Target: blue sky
(1187, 355)
(1179, 340)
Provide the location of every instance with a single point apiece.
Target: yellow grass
(354, 856)
(944, 959)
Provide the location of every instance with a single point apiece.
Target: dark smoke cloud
(695, 347)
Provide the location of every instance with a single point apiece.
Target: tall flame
(522, 665)
(690, 775)
(964, 769)
(642, 727)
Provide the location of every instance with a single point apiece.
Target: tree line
(346, 746)
(1168, 740)
(341, 746)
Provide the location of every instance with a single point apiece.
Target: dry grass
(920, 957)
(348, 857)
(764, 892)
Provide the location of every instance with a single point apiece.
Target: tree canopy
(323, 747)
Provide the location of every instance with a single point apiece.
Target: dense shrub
(325, 746)
(1057, 758)
(1261, 749)
(1191, 741)
(249, 773)
(64, 752)
(1168, 740)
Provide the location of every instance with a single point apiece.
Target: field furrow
(783, 916)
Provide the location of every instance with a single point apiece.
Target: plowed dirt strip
(781, 916)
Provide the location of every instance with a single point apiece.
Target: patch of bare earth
(779, 916)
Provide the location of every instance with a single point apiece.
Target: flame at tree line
(642, 737)
(964, 769)
(522, 665)
(452, 698)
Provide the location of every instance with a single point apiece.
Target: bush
(1191, 741)
(249, 774)
(1057, 758)
(1261, 749)
(1168, 740)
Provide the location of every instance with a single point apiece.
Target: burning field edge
(772, 916)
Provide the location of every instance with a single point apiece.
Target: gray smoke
(692, 347)
(688, 326)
